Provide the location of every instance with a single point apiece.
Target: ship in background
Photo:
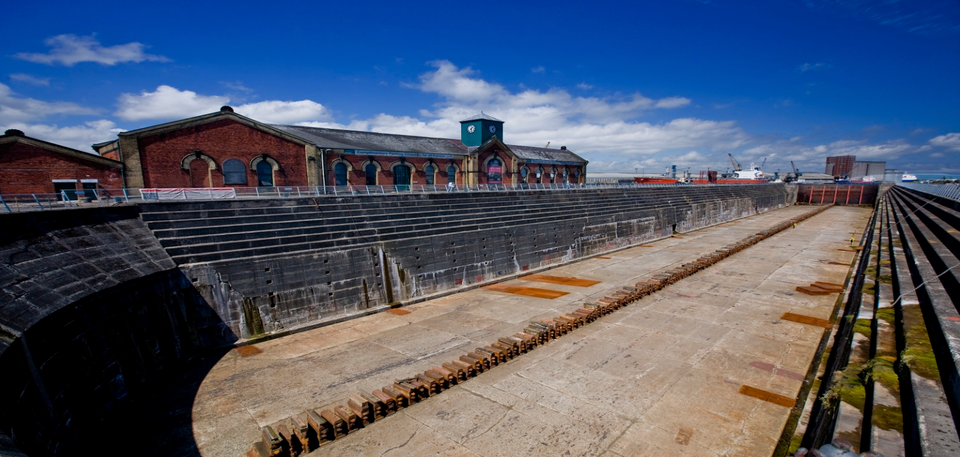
(907, 177)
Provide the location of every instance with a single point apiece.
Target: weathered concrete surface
(659, 377)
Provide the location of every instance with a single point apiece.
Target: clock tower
(477, 129)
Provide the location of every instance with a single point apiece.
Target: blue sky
(627, 85)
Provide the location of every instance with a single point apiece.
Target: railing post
(5, 204)
(38, 201)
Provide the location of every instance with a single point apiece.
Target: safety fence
(81, 198)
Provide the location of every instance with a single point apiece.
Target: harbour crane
(796, 174)
(736, 165)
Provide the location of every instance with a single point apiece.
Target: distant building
(868, 171)
(848, 167)
(840, 166)
(32, 166)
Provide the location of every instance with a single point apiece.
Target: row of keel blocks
(311, 429)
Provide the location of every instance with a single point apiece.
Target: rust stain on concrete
(683, 436)
(764, 395)
(567, 281)
(528, 291)
(398, 311)
(801, 319)
(248, 350)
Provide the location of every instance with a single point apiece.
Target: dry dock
(709, 366)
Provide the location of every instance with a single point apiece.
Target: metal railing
(84, 198)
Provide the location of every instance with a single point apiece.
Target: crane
(736, 165)
(763, 163)
(796, 174)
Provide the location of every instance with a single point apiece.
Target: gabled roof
(532, 154)
(225, 112)
(16, 136)
(370, 141)
(481, 117)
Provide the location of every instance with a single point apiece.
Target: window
(539, 175)
(429, 171)
(234, 172)
(452, 174)
(340, 174)
(401, 175)
(264, 174)
(494, 171)
(70, 186)
(523, 174)
(371, 171)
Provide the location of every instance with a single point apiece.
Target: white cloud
(32, 80)
(280, 112)
(456, 84)
(77, 136)
(539, 69)
(167, 103)
(70, 50)
(951, 141)
(584, 86)
(19, 109)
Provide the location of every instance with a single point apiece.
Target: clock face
(493, 129)
(471, 128)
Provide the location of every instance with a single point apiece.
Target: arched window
(451, 173)
(401, 175)
(429, 170)
(523, 174)
(340, 174)
(494, 171)
(234, 172)
(264, 174)
(565, 175)
(539, 175)
(371, 172)
(553, 175)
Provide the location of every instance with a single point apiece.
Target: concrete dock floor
(676, 373)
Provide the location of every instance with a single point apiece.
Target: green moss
(847, 387)
(885, 279)
(881, 370)
(795, 444)
(888, 417)
(884, 262)
(862, 326)
(919, 353)
(887, 315)
(869, 289)
(870, 271)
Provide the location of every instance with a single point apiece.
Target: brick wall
(27, 169)
(221, 140)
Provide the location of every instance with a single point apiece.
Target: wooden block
(321, 427)
(350, 419)
(338, 424)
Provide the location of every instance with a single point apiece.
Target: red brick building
(225, 149)
(32, 166)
